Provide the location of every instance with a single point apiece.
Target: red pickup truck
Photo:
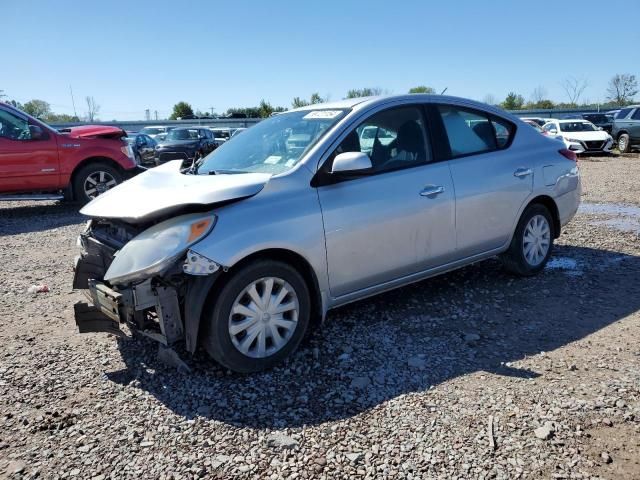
(38, 162)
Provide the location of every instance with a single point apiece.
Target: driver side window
(393, 139)
(13, 127)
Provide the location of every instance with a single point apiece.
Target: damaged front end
(146, 278)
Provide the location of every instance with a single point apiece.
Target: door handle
(432, 190)
(522, 172)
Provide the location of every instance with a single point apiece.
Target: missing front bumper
(151, 309)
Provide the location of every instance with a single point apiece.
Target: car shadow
(45, 215)
(404, 341)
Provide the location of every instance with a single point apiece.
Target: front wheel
(623, 143)
(532, 242)
(94, 179)
(259, 317)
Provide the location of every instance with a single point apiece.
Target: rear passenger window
(471, 131)
(636, 115)
(623, 113)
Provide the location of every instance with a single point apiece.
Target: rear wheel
(259, 317)
(532, 242)
(623, 143)
(93, 180)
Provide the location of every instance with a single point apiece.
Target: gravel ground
(474, 374)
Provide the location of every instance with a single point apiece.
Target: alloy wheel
(536, 240)
(263, 317)
(97, 183)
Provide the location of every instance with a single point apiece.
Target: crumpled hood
(162, 190)
(88, 131)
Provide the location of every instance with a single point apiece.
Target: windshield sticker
(272, 159)
(322, 114)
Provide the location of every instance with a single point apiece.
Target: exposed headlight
(158, 247)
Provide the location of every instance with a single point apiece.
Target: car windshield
(274, 145)
(183, 134)
(152, 130)
(577, 127)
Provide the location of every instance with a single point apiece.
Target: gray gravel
(474, 374)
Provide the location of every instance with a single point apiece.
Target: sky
(137, 55)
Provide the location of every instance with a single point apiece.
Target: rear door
(491, 181)
(26, 164)
(398, 219)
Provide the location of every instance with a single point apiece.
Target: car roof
(366, 102)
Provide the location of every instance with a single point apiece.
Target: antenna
(445, 89)
(75, 114)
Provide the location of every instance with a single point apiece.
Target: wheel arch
(289, 257)
(84, 163)
(550, 204)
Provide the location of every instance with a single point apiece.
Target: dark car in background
(601, 120)
(185, 143)
(144, 148)
(626, 128)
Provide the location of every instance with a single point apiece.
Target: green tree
(316, 98)
(541, 105)
(60, 118)
(622, 88)
(298, 102)
(181, 109)
(37, 108)
(265, 109)
(364, 92)
(513, 101)
(422, 89)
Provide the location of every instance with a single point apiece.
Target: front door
(396, 220)
(26, 163)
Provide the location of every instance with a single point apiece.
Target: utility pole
(73, 102)
(212, 109)
(155, 112)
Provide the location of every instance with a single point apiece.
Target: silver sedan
(314, 208)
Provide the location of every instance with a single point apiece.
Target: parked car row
(578, 132)
(594, 132)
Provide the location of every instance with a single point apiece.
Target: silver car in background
(315, 208)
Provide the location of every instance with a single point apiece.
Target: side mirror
(355, 163)
(553, 131)
(36, 132)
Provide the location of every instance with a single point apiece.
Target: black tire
(82, 179)
(623, 143)
(217, 339)
(514, 259)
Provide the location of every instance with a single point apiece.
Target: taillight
(570, 154)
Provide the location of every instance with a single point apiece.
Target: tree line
(621, 91)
